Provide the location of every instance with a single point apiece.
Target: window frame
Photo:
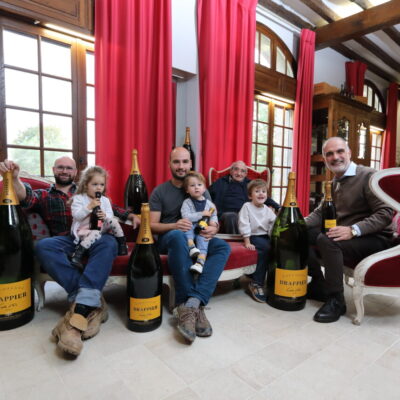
(375, 91)
(78, 90)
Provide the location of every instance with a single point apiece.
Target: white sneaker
(196, 268)
(194, 252)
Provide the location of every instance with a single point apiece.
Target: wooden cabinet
(71, 14)
(336, 115)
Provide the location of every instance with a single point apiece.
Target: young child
(93, 180)
(194, 208)
(255, 224)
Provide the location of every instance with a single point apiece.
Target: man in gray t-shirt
(191, 295)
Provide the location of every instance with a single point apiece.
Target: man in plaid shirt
(88, 308)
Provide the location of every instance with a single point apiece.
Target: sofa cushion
(38, 227)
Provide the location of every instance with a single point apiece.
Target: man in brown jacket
(363, 228)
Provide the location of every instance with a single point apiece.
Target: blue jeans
(200, 241)
(174, 243)
(82, 287)
(263, 247)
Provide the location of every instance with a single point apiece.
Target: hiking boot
(68, 332)
(95, 319)
(256, 291)
(186, 317)
(203, 326)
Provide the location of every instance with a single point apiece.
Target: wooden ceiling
(364, 30)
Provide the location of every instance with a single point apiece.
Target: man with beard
(88, 308)
(363, 228)
(166, 221)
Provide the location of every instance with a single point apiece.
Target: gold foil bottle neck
(290, 199)
(328, 191)
(8, 196)
(135, 165)
(144, 235)
(187, 137)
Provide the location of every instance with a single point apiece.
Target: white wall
(329, 67)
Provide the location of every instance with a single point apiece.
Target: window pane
(56, 58)
(262, 133)
(57, 95)
(22, 127)
(289, 118)
(379, 140)
(254, 153)
(277, 177)
(289, 69)
(278, 115)
(285, 176)
(57, 131)
(277, 156)
(255, 109)
(370, 96)
(256, 50)
(373, 153)
(265, 58)
(373, 139)
(287, 157)
(278, 133)
(49, 158)
(22, 89)
(262, 155)
(262, 111)
(29, 160)
(91, 143)
(20, 50)
(91, 159)
(254, 134)
(90, 102)
(288, 138)
(365, 91)
(90, 68)
(280, 61)
(276, 195)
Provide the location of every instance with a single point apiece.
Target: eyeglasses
(62, 168)
(241, 170)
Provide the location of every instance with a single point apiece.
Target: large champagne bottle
(16, 261)
(328, 209)
(188, 146)
(135, 187)
(95, 223)
(144, 280)
(287, 274)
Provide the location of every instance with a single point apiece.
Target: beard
(65, 182)
(178, 177)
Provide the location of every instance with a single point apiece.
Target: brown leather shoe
(186, 317)
(68, 332)
(203, 326)
(95, 318)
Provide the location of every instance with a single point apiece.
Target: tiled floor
(256, 352)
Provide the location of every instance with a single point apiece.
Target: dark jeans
(334, 255)
(229, 222)
(263, 247)
(174, 243)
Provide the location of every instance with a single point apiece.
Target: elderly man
(363, 228)
(88, 308)
(229, 193)
(166, 221)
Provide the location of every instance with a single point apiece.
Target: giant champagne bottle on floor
(188, 147)
(144, 280)
(135, 187)
(328, 209)
(16, 261)
(287, 273)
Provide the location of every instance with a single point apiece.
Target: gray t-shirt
(168, 199)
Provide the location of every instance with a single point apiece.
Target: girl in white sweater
(255, 225)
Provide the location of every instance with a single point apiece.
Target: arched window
(275, 89)
(373, 95)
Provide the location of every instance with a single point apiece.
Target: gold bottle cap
(135, 165)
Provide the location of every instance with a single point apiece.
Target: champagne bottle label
(135, 165)
(144, 235)
(144, 309)
(291, 283)
(15, 297)
(8, 196)
(330, 223)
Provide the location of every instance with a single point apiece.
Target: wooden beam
(393, 33)
(370, 20)
(364, 4)
(321, 9)
(342, 49)
(285, 14)
(378, 52)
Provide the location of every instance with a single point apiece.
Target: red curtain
(355, 73)
(302, 129)
(133, 89)
(389, 141)
(226, 39)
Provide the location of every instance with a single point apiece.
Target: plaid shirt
(55, 209)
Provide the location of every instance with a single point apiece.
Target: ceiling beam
(285, 14)
(364, 4)
(393, 33)
(342, 49)
(321, 9)
(370, 20)
(378, 52)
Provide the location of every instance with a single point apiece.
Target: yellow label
(15, 297)
(291, 283)
(7, 196)
(330, 223)
(144, 309)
